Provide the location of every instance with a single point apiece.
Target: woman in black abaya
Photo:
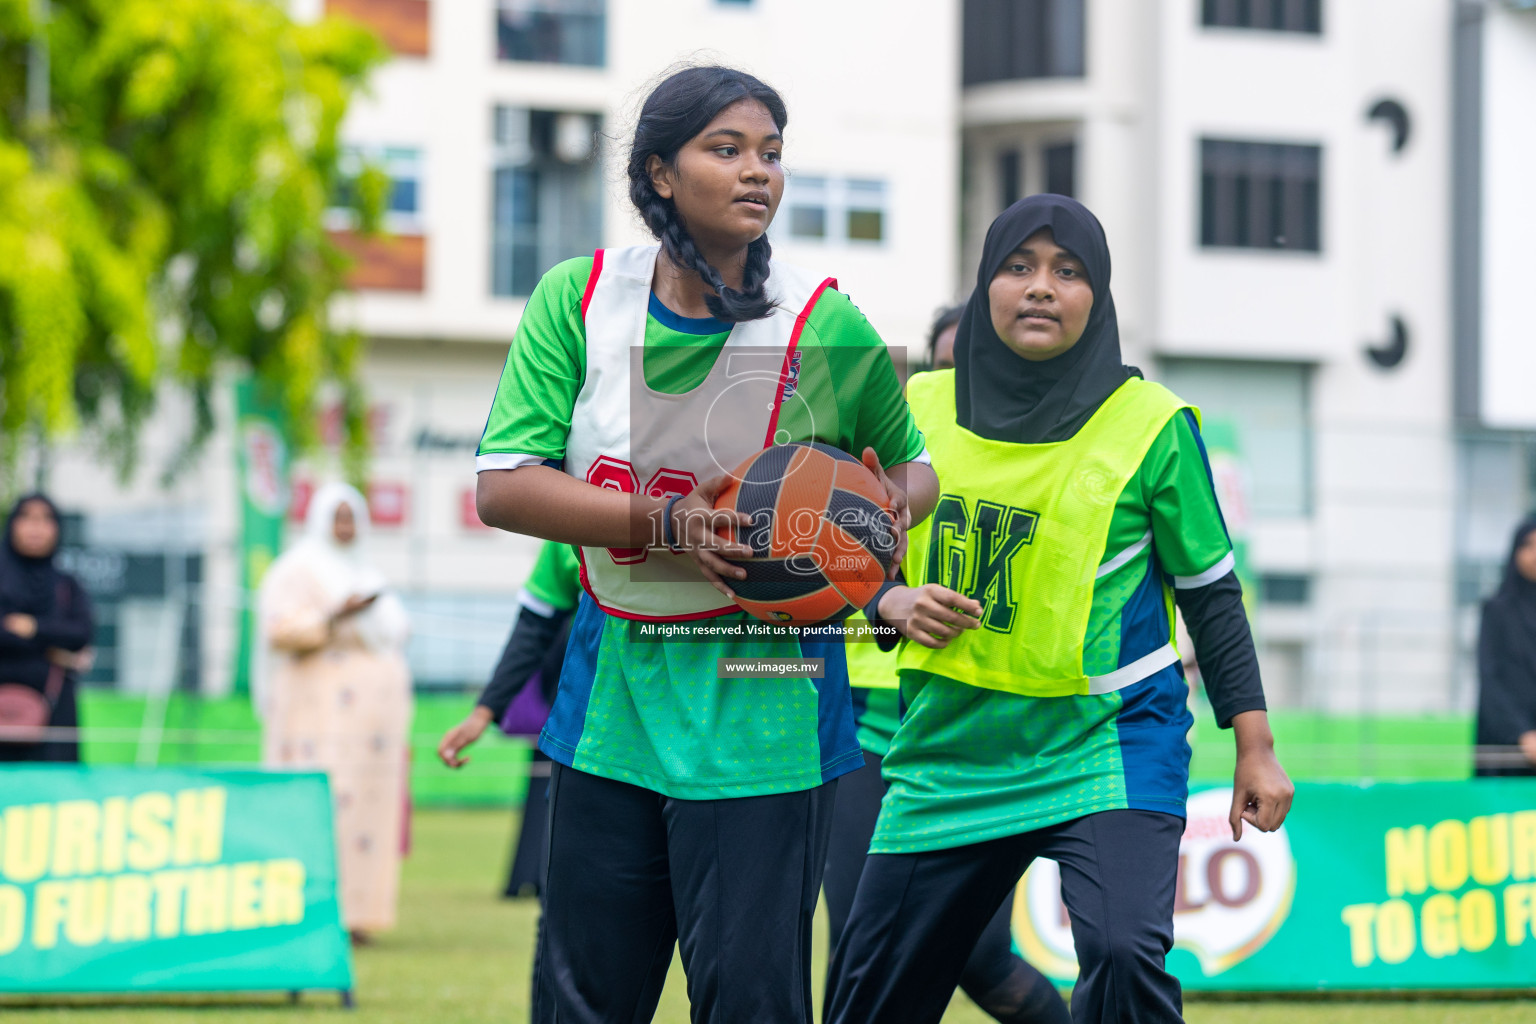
(1506, 660)
(45, 622)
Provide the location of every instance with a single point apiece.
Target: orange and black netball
(822, 533)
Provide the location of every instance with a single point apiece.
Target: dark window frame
(1019, 40)
(568, 33)
(1260, 195)
(1296, 17)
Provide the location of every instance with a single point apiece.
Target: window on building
(551, 31)
(403, 165)
(1060, 162)
(1260, 195)
(1258, 413)
(808, 208)
(546, 194)
(1274, 15)
(1011, 39)
(1010, 177)
(1285, 588)
(866, 211)
(836, 209)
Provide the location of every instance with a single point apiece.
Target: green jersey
(653, 713)
(970, 764)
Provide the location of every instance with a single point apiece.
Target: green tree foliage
(164, 222)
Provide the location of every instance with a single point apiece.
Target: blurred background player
(534, 655)
(45, 627)
(996, 978)
(692, 809)
(335, 694)
(1506, 661)
(1058, 730)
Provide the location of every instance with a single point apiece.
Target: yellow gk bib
(1022, 529)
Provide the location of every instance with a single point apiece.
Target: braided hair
(677, 110)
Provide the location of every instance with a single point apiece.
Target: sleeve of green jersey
(531, 413)
(865, 381)
(1187, 528)
(556, 579)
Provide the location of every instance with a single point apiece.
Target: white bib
(627, 437)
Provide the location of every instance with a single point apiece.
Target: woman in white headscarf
(335, 694)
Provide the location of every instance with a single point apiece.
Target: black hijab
(1004, 397)
(1516, 596)
(27, 584)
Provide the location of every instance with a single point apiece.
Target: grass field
(1313, 747)
(462, 956)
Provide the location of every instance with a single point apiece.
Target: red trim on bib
(789, 355)
(581, 557)
(586, 296)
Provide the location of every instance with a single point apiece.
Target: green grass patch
(1313, 747)
(224, 731)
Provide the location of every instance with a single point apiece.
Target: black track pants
(733, 883)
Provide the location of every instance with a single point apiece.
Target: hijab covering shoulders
(1001, 396)
(28, 585)
(342, 570)
(1506, 661)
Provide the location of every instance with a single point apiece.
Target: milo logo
(1229, 900)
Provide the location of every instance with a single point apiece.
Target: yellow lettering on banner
(13, 918)
(1518, 917)
(200, 825)
(75, 850)
(244, 894)
(47, 914)
(1479, 920)
(1394, 931)
(26, 842)
(114, 833)
(168, 886)
(85, 923)
(1405, 861)
(1359, 919)
(1448, 855)
(130, 919)
(1522, 829)
(282, 892)
(207, 900)
(1439, 930)
(149, 816)
(1489, 838)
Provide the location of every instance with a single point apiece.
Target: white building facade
(1291, 233)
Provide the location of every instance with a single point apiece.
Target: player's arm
(544, 502)
(519, 487)
(1191, 540)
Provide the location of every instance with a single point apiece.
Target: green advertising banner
(1427, 885)
(124, 879)
(261, 467)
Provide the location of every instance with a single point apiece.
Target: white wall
(1508, 378)
(849, 116)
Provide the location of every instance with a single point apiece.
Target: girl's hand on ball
(930, 615)
(708, 534)
(899, 509)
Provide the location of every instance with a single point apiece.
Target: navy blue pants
(996, 978)
(632, 873)
(917, 916)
